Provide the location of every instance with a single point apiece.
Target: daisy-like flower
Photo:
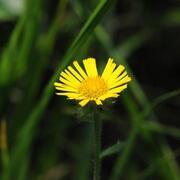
(85, 85)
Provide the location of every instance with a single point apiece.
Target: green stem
(97, 146)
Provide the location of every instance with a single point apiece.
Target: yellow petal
(108, 95)
(68, 76)
(118, 89)
(80, 97)
(75, 73)
(84, 102)
(68, 83)
(118, 71)
(121, 82)
(110, 66)
(58, 84)
(98, 102)
(115, 74)
(69, 95)
(69, 89)
(63, 86)
(72, 78)
(121, 76)
(90, 66)
(80, 70)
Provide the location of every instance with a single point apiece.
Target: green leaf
(116, 148)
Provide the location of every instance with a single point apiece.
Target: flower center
(93, 87)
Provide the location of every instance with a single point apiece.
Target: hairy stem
(97, 146)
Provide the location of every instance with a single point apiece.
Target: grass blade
(148, 109)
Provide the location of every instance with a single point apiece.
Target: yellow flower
(87, 85)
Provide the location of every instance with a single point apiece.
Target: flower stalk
(97, 145)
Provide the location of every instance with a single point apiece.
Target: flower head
(86, 84)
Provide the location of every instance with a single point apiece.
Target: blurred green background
(46, 137)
